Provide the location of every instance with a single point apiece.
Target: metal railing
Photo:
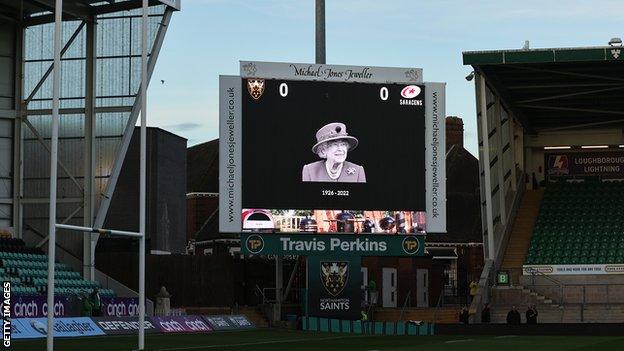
(439, 303)
(260, 294)
(406, 304)
(490, 267)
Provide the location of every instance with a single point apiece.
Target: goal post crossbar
(101, 231)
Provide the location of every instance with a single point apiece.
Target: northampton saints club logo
(255, 86)
(411, 245)
(334, 276)
(255, 244)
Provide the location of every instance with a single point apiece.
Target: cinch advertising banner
(63, 327)
(120, 306)
(228, 322)
(333, 245)
(123, 325)
(37, 306)
(584, 163)
(181, 324)
(335, 287)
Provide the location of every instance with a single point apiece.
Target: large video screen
(325, 155)
(328, 145)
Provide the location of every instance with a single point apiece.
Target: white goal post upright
(143, 170)
(58, 21)
(56, 85)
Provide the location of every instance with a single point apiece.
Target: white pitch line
(505, 336)
(455, 341)
(259, 343)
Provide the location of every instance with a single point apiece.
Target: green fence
(366, 327)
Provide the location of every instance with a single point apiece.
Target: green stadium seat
(578, 223)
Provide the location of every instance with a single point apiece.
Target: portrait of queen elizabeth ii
(333, 143)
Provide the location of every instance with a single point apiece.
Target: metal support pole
(498, 114)
(512, 149)
(17, 130)
(486, 166)
(320, 31)
(58, 21)
(88, 249)
(279, 284)
(143, 170)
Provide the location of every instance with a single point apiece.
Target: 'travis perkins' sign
(328, 244)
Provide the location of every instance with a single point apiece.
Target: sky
(208, 38)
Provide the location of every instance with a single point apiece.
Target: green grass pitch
(278, 340)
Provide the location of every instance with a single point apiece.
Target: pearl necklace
(333, 174)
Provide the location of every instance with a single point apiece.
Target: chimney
(454, 132)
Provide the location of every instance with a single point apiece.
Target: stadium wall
(166, 190)
(197, 280)
(499, 166)
(199, 208)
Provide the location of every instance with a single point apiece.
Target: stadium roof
(42, 11)
(562, 88)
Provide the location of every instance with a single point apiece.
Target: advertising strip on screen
(122, 325)
(63, 327)
(228, 322)
(435, 154)
(230, 144)
(333, 245)
(329, 73)
(180, 324)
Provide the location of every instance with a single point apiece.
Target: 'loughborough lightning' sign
(331, 245)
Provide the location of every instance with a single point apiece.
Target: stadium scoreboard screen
(325, 148)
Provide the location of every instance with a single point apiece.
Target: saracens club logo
(254, 243)
(255, 87)
(409, 93)
(411, 245)
(334, 276)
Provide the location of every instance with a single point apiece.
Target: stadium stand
(26, 269)
(570, 222)
(522, 231)
(579, 223)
